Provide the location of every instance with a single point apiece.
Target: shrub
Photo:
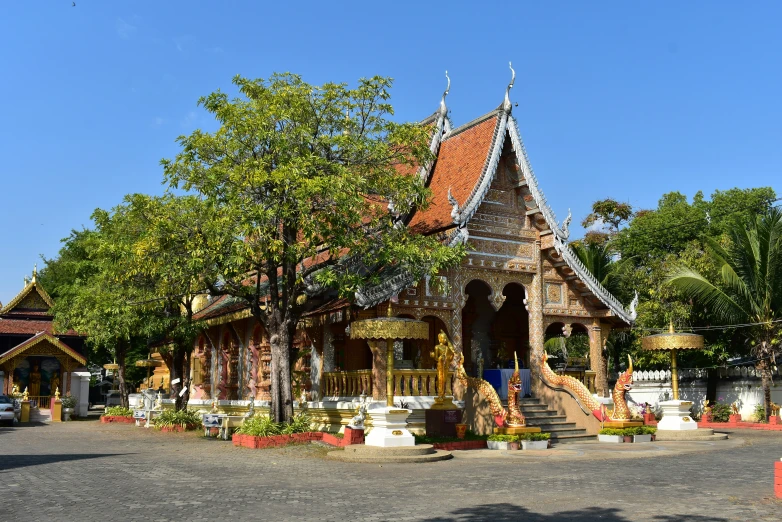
(171, 418)
(503, 438)
(259, 426)
(69, 401)
(116, 411)
(759, 415)
(720, 412)
(627, 432)
(535, 436)
(611, 431)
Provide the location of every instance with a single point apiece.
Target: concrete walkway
(98, 472)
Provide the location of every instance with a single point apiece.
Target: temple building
(519, 282)
(33, 356)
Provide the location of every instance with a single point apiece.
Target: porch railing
(407, 383)
(586, 377)
(347, 384)
(40, 401)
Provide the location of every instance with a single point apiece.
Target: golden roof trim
(36, 339)
(24, 293)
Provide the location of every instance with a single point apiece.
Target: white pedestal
(676, 416)
(389, 428)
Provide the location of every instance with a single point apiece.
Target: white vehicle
(8, 410)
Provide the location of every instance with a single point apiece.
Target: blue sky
(620, 99)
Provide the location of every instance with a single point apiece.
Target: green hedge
(625, 432)
(118, 411)
(264, 426)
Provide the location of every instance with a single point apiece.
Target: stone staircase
(39, 415)
(562, 431)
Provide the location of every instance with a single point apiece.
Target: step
(534, 407)
(564, 439)
(545, 425)
(543, 415)
(374, 454)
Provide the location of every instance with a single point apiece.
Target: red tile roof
(459, 165)
(25, 327)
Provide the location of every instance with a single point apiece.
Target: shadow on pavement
(511, 512)
(9, 462)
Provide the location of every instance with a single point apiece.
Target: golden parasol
(674, 342)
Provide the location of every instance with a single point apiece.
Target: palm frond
(720, 304)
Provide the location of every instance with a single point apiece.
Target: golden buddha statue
(443, 353)
(54, 382)
(35, 381)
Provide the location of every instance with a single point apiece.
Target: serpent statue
(574, 385)
(623, 385)
(483, 388)
(515, 417)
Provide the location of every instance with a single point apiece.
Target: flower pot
(534, 444)
(513, 446)
(642, 438)
(67, 412)
(497, 445)
(610, 438)
(461, 431)
(627, 438)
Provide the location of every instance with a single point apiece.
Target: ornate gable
(32, 300)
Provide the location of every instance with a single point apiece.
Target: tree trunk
(281, 341)
(119, 352)
(180, 370)
(765, 378)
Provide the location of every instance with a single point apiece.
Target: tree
(90, 301)
(607, 216)
(305, 181)
(166, 264)
(749, 288)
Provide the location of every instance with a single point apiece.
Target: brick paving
(88, 471)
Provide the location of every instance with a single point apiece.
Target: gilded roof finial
(35, 272)
(507, 105)
(443, 108)
(670, 327)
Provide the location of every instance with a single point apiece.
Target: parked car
(8, 410)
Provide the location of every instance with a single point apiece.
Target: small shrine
(33, 356)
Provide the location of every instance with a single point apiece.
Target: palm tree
(749, 286)
(599, 259)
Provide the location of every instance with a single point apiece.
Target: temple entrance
(41, 377)
(494, 335)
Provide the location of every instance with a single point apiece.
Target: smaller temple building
(34, 357)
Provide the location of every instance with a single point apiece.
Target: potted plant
(501, 442)
(68, 404)
(535, 441)
(610, 435)
(644, 434)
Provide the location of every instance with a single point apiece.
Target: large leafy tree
(749, 286)
(163, 265)
(90, 300)
(307, 186)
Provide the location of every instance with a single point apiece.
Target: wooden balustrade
(407, 383)
(347, 384)
(40, 401)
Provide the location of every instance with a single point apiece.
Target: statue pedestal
(446, 403)
(442, 423)
(516, 430)
(389, 428)
(57, 410)
(676, 416)
(622, 424)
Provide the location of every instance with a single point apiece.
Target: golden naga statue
(515, 417)
(444, 354)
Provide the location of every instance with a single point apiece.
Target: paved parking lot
(88, 471)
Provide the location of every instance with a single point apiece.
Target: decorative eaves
(628, 314)
(38, 338)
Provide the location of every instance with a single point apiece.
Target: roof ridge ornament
(566, 224)
(455, 209)
(506, 105)
(443, 108)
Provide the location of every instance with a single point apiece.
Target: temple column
(379, 366)
(597, 361)
(535, 309)
(2, 383)
(328, 349)
(316, 372)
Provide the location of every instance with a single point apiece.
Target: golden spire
(35, 272)
(670, 327)
(516, 360)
